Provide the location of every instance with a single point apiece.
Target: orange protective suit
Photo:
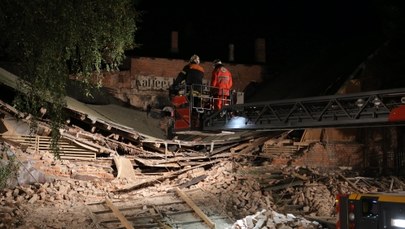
(222, 82)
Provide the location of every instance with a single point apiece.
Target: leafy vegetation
(8, 169)
(55, 40)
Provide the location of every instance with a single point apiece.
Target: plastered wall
(148, 79)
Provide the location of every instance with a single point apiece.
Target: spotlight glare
(398, 223)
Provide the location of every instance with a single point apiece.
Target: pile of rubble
(52, 193)
(302, 191)
(55, 193)
(272, 219)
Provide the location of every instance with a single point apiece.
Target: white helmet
(195, 59)
(216, 62)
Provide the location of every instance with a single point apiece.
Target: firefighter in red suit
(221, 82)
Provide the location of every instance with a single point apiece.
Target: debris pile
(250, 189)
(250, 194)
(245, 190)
(271, 219)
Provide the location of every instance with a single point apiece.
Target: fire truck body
(371, 211)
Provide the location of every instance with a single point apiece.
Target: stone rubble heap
(244, 190)
(272, 219)
(288, 194)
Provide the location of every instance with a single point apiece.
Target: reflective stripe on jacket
(222, 79)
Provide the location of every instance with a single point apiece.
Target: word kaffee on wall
(154, 83)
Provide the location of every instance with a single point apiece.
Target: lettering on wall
(153, 83)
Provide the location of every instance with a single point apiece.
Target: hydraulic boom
(373, 108)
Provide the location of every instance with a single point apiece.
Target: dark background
(312, 47)
(290, 27)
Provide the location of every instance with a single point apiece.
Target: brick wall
(376, 151)
(327, 156)
(148, 80)
(242, 74)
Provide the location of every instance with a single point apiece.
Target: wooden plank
(239, 147)
(119, 215)
(93, 218)
(157, 163)
(65, 146)
(275, 187)
(84, 153)
(398, 181)
(281, 149)
(350, 183)
(78, 150)
(254, 146)
(193, 181)
(312, 135)
(76, 155)
(76, 158)
(158, 218)
(196, 209)
(88, 144)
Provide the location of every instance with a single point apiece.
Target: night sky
(312, 46)
(290, 28)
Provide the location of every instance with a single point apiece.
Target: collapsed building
(288, 170)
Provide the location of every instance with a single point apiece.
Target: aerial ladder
(364, 109)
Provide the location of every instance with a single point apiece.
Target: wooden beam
(119, 215)
(196, 209)
(349, 182)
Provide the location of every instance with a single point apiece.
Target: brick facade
(148, 80)
(242, 74)
(375, 151)
(327, 156)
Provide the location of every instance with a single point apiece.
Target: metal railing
(351, 110)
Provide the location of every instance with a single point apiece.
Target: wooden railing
(68, 149)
